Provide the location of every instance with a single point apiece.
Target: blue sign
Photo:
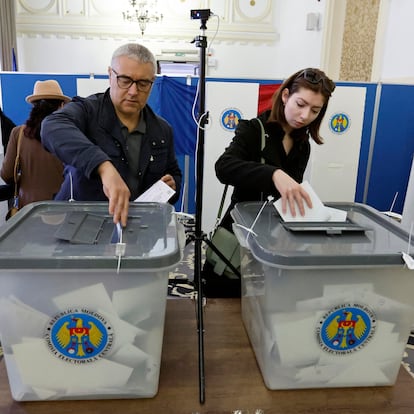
(339, 123)
(230, 119)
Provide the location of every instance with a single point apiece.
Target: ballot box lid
(366, 238)
(77, 235)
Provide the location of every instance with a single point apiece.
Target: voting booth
(325, 304)
(82, 301)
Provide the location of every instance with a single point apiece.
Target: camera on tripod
(203, 14)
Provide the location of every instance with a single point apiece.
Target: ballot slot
(81, 228)
(330, 228)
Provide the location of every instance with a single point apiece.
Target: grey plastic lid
(78, 235)
(377, 241)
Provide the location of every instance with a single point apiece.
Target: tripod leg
(200, 323)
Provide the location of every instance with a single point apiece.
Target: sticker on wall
(230, 119)
(346, 328)
(339, 123)
(79, 336)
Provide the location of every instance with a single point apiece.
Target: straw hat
(48, 89)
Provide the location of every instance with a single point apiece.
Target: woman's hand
(292, 193)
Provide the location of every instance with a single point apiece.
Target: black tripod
(201, 42)
(199, 237)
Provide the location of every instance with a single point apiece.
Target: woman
(6, 127)
(298, 108)
(6, 190)
(41, 172)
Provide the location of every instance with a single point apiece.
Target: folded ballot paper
(159, 192)
(375, 360)
(319, 212)
(39, 363)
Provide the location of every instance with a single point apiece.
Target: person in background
(6, 127)
(295, 117)
(113, 145)
(41, 172)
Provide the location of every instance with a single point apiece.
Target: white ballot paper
(159, 192)
(129, 366)
(318, 212)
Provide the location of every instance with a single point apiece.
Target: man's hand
(117, 192)
(169, 180)
(291, 192)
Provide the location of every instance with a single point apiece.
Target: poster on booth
(333, 167)
(227, 103)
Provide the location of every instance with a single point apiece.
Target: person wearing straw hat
(41, 173)
(113, 144)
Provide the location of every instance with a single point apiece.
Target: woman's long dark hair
(6, 127)
(310, 78)
(41, 109)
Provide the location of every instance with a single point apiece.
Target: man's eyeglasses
(125, 82)
(314, 77)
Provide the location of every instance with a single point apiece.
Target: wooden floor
(232, 379)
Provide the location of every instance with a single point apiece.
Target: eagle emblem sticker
(79, 336)
(339, 123)
(230, 119)
(346, 328)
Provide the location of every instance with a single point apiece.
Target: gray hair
(137, 52)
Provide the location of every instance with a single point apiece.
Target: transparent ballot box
(82, 301)
(325, 304)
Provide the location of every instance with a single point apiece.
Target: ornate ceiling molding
(237, 21)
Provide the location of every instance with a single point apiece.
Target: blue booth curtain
(174, 100)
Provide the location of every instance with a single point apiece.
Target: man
(113, 145)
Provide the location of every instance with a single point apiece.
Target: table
(232, 377)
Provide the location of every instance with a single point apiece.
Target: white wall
(398, 59)
(295, 49)
(65, 55)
